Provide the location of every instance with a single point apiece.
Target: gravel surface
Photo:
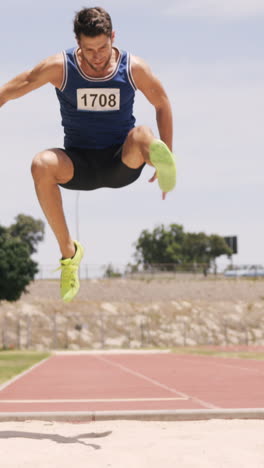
(164, 289)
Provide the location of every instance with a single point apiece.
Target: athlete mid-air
(95, 83)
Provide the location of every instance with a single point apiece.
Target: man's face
(97, 51)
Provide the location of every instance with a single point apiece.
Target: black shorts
(96, 168)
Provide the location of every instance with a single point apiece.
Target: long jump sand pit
(130, 444)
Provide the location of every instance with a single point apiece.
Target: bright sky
(209, 56)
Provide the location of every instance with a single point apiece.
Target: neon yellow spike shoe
(164, 162)
(69, 284)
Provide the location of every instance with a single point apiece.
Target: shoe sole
(164, 162)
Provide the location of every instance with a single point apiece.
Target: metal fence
(102, 330)
(73, 331)
(88, 271)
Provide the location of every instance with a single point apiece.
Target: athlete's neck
(94, 69)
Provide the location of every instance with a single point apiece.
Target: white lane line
(224, 363)
(94, 400)
(203, 403)
(19, 376)
(254, 371)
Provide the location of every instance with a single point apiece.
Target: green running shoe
(164, 162)
(69, 284)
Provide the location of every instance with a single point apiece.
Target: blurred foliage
(17, 243)
(173, 246)
(111, 272)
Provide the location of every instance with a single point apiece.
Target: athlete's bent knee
(42, 165)
(140, 134)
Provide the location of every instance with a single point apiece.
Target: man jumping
(95, 83)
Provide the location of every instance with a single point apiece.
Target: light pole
(77, 216)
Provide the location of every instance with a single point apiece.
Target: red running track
(125, 382)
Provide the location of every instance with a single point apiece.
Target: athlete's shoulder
(53, 62)
(137, 63)
(141, 71)
(50, 69)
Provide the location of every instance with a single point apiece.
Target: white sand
(133, 444)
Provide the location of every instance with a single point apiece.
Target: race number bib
(98, 99)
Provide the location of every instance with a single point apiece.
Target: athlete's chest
(99, 95)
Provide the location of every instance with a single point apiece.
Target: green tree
(111, 272)
(217, 247)
(16, 267)
(29, 230)
(160, 246)
(17, 243)
(172, 246)
(196, 248)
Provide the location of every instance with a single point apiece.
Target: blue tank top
(96, 112)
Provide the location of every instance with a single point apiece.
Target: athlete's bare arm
(49, 70)
(153, 90)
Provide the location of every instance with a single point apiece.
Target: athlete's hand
(152, 179)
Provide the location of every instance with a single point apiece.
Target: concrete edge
(145, 415)
(58, 352)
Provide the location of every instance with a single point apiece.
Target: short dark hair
(92, 22)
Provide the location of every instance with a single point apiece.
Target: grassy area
(225, 354)
(15, 362)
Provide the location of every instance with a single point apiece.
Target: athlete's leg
(141, 146)
(49, 168)
(136, 147)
